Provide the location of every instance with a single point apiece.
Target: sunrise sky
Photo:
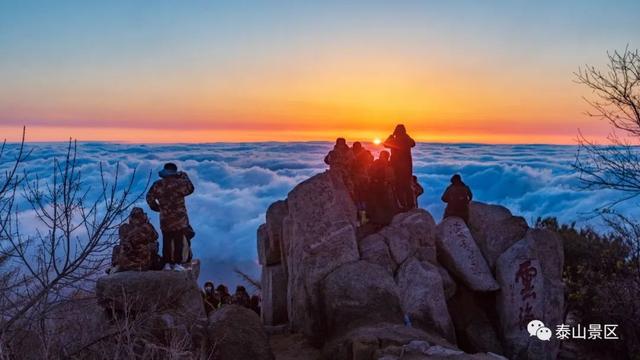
(202, 71)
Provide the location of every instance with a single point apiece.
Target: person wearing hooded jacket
(340, 160)
(167, 196)
(400, 144)
(138, 243)
(457, 196)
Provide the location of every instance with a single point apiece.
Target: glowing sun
(377, 141)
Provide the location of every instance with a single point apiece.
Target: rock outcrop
(530, 274)
(460, 255)
(235, 332)
(412, 288)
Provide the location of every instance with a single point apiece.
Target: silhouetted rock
(459, 254)
(423, 299)
(494, 229)
(530, 275)
(235, 332)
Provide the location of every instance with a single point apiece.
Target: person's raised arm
(470, 194)
(390, 142)
(187, 188)
(412, 143)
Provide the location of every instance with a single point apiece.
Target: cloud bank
(235, 183)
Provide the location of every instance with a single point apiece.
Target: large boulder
(145, 291)
(375, 250)
(359, 293)
(319, 236)
(420, 224)
(235, 332)
(274, 295)
(400, 242)
(422, 297)
(164, 308)
(459, 254)
(530, 276)
(494, 229)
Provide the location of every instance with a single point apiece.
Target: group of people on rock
(138, 247)
(386, 186)
(216, 297)
(382, 187)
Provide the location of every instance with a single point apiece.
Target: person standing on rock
(400, 144)
(138, 243)
(381, 204)
(167, 197)
(457, 196)
(360, 173)
(340, 160)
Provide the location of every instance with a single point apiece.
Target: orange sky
(185, 72)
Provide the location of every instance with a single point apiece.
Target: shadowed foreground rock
(135, 291)
(235, 332)
(407, 290)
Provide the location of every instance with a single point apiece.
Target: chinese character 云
(526, 273)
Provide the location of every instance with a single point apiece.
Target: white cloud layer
(236, 182)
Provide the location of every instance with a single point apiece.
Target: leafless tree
(63, 252)
(616, 100)
(9, 185)
(616, 166)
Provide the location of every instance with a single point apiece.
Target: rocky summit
(414, 289)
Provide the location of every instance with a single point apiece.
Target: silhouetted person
(167, 197)
(381, 204)
(255, 304)
(340, 160)
(138, 243)
(457, 196)
(223, 295)
(210, 298)
(360, 173)
(241, 297)
(417, 190)
(400, 144)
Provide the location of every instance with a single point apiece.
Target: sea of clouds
(235, 183)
